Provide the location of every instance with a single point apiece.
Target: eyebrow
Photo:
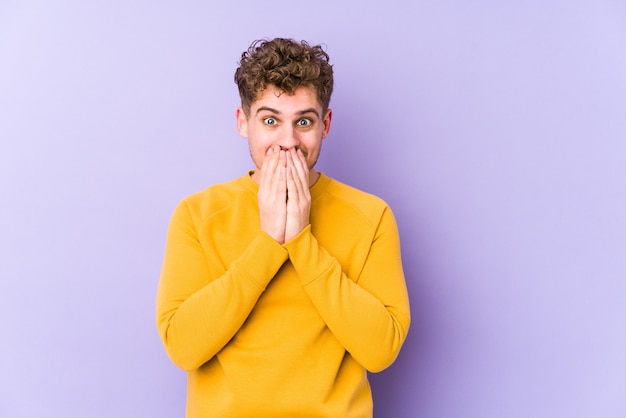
(302, 112)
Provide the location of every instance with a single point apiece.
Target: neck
(313, 177)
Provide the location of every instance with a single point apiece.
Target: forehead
(274, 98)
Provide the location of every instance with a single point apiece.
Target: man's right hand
(273, 194)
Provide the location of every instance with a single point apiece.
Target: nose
(288, 138)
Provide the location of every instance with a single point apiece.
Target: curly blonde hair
(286, 64)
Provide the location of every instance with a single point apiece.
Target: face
(288, 120)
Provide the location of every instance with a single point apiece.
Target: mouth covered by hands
(284, 197)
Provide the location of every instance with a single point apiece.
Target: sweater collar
(316, 190)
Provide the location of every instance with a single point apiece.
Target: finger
(292, 173)
(296, 183)
(280, 180)
(269, 169)
(301, 172)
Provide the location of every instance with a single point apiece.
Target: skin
(284, 133)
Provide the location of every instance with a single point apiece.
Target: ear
(242, 122)
(327, 118)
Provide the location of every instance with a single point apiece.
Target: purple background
(496, 131)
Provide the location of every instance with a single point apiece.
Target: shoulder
(349, 198)
(215, 198)
(218, 192)
(352, 195)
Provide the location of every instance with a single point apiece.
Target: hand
(273, 194)
(298, 194)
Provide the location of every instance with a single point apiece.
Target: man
(282, 288)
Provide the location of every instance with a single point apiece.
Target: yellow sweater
(271, 330)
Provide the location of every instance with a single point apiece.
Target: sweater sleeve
(198, 314)
(369, 315)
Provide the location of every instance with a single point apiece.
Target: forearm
(370, 331)
(197, 314)
(369, 317)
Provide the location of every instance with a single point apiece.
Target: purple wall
(497, 133)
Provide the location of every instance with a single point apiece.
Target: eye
(270, 121)
(304, 122)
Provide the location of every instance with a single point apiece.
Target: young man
(282, 288)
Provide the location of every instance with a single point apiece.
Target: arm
(199, 310)
(370, 315)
